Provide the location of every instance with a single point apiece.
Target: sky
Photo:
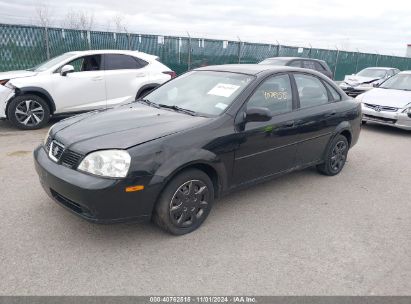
(382, 27)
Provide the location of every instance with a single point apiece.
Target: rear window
(123, 62)
(274, 61)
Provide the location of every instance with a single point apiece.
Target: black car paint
(162, 142)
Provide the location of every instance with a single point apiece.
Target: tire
(143, 93)
(180, 211)
(336, 156)
(28, 112)
(363, 122)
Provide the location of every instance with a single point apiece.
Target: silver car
(390, 103)
(365, 80)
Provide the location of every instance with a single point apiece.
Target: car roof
(405, 72)
(141, 55)
(293, 58)
(380, 68)
(252, 69)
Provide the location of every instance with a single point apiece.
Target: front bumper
(96, 199)
(393, 119)
(5, 95)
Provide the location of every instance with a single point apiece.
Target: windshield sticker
(221, 106)
(223, 89)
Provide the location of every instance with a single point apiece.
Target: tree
(119, 23)
(79, 20)
(43, 14)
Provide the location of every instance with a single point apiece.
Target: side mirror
(66, 69)
(257, 114)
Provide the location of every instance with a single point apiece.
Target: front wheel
(185, 202)
(336, 156)
(28, 112)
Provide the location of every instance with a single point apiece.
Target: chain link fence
(23, 47)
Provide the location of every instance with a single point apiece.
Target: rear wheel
(28, 112)
(336, 156)
(144, 93)
(185, 202)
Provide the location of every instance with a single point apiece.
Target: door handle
(141, 75)
(332, 113)
(98, 78)
(290, 123)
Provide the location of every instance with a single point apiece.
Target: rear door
(267, 147)
(124, 77)
(316, 117)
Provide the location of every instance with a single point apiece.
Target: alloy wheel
(29, 113)
(189, 203)
(338, 156)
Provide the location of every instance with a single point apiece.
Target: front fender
(174, 163)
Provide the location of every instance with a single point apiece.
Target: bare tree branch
(43, 14)
(79, 20)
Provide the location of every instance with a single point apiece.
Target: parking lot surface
(301, 234)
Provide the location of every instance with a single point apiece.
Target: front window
(372, 73)
(398, 82)
(203, 92)
(51, 63)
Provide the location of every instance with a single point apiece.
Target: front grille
(382, 119)
(77, 208)
(380, 108)
(56, 150)
(61, 155)
(70, 159)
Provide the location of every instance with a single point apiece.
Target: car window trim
(104, 60)
(298, 95)
(293, 102)
(82, 56)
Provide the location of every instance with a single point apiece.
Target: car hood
(386, 97)
(122, 127)
(356, 80)
(16, 74)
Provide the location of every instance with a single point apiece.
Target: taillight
(4, 81)
(171, 73)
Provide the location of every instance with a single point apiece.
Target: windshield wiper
(148, 102)
(177, 108)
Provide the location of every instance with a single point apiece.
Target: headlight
(108, 163)
(4, 81)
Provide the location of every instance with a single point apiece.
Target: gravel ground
(301, 234)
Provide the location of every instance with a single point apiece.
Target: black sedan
(197, 137)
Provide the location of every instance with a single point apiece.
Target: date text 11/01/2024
(203, 299)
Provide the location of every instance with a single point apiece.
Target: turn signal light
(4, 81)
(135, 188)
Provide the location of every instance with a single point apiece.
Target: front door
(267, 148)
(82, 90)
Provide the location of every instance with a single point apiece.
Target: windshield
(50, 63)
(274, 61)
(374, 73)
(398, 82)
(203, 92)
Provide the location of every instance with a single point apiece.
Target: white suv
(76, 82)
